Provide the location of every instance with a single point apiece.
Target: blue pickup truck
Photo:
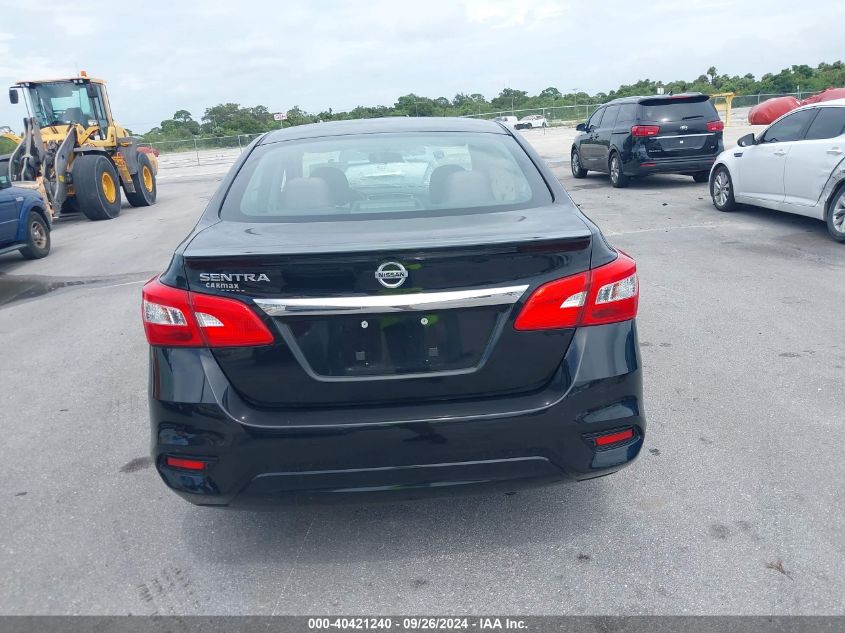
(24, 221)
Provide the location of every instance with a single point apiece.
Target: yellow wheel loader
(75, 152)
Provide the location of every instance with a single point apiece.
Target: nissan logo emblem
(391, 274)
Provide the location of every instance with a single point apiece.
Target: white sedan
(796, 165)
(531, 121)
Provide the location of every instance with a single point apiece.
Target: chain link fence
(224, 149)
(749, 101)
(199, 151)
(556, 115)
(560, 115)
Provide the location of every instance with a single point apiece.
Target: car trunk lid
(346, 337)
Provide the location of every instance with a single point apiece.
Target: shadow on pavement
(394, 531)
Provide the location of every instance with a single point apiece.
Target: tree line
(229, 119)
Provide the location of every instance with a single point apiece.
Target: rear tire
(836, 216)
(722, 189)
(97, 187)
(617, 178)
(37, 237)
(578, 170)
(144, 180)
(701, 176)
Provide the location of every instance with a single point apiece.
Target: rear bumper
(269, 457)
(643, 167)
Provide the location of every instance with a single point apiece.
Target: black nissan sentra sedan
(391, 308)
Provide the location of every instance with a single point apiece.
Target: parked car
(412, 333)
(531, 121)
(24, 221)
(510, 121)
(638, 136)
(796, 165)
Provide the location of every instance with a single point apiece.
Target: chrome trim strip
(393, 303)
(681, 135)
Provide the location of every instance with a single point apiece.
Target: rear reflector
(185, 464)
(645, 130)
(607, 294)
(178, 318)
(614, 438)
(715, 126)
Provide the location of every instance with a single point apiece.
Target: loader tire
(145, 183)
(97, 187)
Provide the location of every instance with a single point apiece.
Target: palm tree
(712, 72)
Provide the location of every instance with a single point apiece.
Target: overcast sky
(163, 55)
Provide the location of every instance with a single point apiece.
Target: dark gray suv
(637, 136)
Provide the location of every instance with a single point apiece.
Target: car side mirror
(581, 127)
(91, 90)
(747, 140)
(13, 96)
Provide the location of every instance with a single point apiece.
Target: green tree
(7, 146)
(509, 99)
(461, 99)
(232, 118)
(183, 116)
(712, 72)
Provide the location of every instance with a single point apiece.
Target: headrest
(468, 189)
(437, 182)
(306, 193)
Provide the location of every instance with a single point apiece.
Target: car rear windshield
(663, 110)
(376, 175)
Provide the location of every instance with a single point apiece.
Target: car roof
(382, 126)
(641, 98)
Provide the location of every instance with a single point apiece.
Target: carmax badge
(391, 274)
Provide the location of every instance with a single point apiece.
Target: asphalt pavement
(736, 505)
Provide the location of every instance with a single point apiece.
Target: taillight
(715, 126)
(178, 318)
(614, 292)
(557, 304)
(645, 130)
(185, 464)
(606, 440)
(167, 316)
(607, 294)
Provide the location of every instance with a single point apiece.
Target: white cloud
(342, 53)
(508, 13)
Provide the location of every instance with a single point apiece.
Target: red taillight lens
(614, 292)
(228, 322)
(715, 126)
(178, 318)
(645, 130)
(607, 294)
(557, 304)
(185, 464)
(167, 316)
(614, 438)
